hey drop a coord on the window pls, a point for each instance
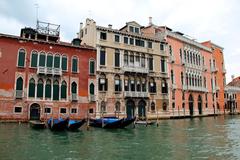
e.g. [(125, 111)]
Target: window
[(103, 35), (163, 65), (56, 90), (19, 84), (131, 28), (150, 63), (92, 67), (170, 49), (152, 86), (149, 44), (42, 59), (132, 84), (182, 78), (118, 86), (102, 57), (64, 90), (31, 88), (47, 110), (74, 65), (173, 94), (126, 84), (153, 107), (117, 107), (161, 47), (73, 110), (102, 83), (131, 41), (21, 58), (64, 63), (103, 106), (57, 61), (34, 59), (91, 89), (74, 88), (138, 87), (136, 30), (40, 88), (139, 42), (183, 95), (91, 110), (125, 40), (117, 58), (49, 61), (144, 88), (117, 38), (48, 89), (131, 59), (143, 61), (63, 110), (137, 57), (173, 105), (172, 77), (164, 86), (125, 58), (18, 109)]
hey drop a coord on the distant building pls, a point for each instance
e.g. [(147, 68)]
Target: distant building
[(232, 96), (42, 77)]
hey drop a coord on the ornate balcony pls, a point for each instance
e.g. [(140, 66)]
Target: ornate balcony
[(204, 68), (74, 97), (18, 94), (49, 71), (214, 69), (92, 98), (195, 88), (172, 58), (136, 94), (135, 69)]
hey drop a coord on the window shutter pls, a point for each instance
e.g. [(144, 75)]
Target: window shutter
[(34, 60), (21, 58), (99, 85), (64, 63), (120, 85), (106, 85), (49, 61)]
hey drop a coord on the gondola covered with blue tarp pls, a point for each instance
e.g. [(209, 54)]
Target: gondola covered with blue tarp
[(75, 124), (58, 124)]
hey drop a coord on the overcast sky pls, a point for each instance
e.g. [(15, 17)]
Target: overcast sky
[(215, 20)]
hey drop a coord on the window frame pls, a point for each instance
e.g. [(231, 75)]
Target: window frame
[(14, 110), (24, 60)]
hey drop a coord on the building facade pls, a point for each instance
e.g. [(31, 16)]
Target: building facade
[(194, 77), (42, 77), (132, 71)]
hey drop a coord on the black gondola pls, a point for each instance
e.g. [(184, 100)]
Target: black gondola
[(58, 124), (37, 124), (106, 122), (127, 121), (75, 124)]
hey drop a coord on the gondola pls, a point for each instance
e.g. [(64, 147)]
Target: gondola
[(57, 124), (75, 124), (37, 124), (106, 122), (127, 121)]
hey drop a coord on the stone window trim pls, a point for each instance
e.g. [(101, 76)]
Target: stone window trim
[(25, 56), (60, 110), (19, 107), (71, 110), (47, 107)]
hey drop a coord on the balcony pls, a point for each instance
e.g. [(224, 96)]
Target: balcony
[(214, 69), (74, 97), (135, 69), (204, 68), (183, 61), (49, 71), (92, 98), (195, 88), (172, 58), (18, 94), (216, 88), (136, 94)]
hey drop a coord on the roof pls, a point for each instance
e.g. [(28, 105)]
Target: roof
[(60, 43), (235, 82)]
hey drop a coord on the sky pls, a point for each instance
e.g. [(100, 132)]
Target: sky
[(215, 20)]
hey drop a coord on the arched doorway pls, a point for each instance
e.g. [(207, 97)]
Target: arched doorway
[(35, 111), (191, 104), (142, 109), (199, 104), (130, 108)]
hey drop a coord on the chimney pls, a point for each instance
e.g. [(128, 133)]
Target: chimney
[(79, 34), (150, 21), (110, 26)]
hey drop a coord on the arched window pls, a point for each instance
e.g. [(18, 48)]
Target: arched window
[(143, 60), (191, 58), (153, 107), (21, 58), (74, 65), (102, 57), (103, 107), (64, 90), (144, 87), (34, 59), (19, 88), (117, 107), (164, 86), (55, 90), (74, 88), (126, 58), (92, 89), (57, 61), (40, 88), (164, 106), (48, 89), (132, 83), (137, 57), (172, 77), (126, 83), (182, 77), (152, 86), (91, 66), (31, 88), (138, 84), (117, 58), (131, 59), (102, 83), (194, 58), (64, 63), (118, 83), (42, 59), (49, 60)]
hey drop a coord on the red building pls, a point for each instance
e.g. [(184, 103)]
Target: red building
[(42, 77)]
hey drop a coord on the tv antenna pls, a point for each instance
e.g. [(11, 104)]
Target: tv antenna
[(37, 6)]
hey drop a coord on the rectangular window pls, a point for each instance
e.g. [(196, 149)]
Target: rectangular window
[(125, 40), (47, 110), (92, 67), (57, 62), (21, 58), (64, 63), (131, 28), (149, 44), (34, 60), (117, 38), (131, 41), (18, 109), (49, 61), (42, 60), (170, 50), (163, 68), (102, 57), (151, 63), (117, 59), (161, 47), (103, 35), (91, 110), (136, 30), (74, 65), (73, 110), (63, 110), (139, 42)]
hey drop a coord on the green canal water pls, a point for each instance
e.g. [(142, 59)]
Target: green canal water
[(206, 138)]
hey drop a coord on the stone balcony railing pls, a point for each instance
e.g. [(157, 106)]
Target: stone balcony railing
[(18, 94), (172, 58), (136, 69), (136, 94), (214, 69), (49, 71), (74, 97), (92, 98), (195, 88)]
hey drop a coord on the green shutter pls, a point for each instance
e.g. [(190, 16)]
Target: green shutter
[(48, 90), (74, 65), (42, 58), (74, 87), (49, 61), (19, 84), (92, 69), (55, 92), (64, 63), (34, 60), (31, 89), (21, 58), (40, 90), (63, 91), (91, 89), (56, 62)]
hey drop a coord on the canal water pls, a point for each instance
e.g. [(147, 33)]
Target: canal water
[(206, 138)]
